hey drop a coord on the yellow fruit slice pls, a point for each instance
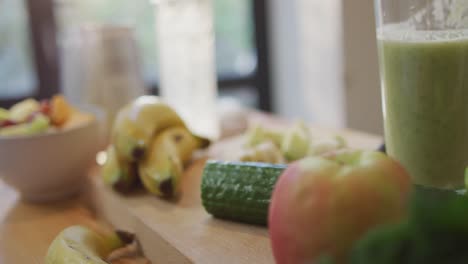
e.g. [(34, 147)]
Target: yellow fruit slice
[(79, 244), (60, 110)]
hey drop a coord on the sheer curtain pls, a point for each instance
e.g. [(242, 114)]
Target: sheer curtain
[(325, 62), (307, 58)]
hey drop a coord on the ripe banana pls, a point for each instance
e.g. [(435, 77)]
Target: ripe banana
[(185, 142), (81, 245), (152, 141), (138, 122), (120, 174), (161, 170)]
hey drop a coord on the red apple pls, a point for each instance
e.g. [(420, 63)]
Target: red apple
[(45, 107), (322, 205), (7, 123)]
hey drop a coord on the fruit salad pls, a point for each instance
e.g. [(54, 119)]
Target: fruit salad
[(30, 117)]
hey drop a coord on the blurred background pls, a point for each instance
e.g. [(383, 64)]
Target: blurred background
[(309, 59)]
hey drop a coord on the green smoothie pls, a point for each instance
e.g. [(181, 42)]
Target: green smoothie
[(425, 96)]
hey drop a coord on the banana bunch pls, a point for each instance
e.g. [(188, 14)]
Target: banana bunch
[(79, 244), (151, 144)]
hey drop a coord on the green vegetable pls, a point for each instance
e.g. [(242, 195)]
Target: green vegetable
[(466, 178), (436, 231), (239, 191), (324, 259), (387, 245), (40, 124), (4, 114)]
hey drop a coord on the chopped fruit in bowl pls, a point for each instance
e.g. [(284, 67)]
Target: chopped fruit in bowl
[(48, 147), (21, 111), (30, 117), (59, 111), (3, 115), (37, 124)]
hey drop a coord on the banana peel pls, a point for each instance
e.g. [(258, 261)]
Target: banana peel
[(81, 245), (119, 174), (138, 122)]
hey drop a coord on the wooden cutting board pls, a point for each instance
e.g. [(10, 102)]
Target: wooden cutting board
[(181, 231)]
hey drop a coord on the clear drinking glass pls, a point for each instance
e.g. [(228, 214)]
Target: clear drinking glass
[(185, 38), (423, 54)]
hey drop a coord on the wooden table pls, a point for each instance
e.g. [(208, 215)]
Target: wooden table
[(26, 230)]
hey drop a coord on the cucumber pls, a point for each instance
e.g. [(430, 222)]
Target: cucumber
[(239, 191)]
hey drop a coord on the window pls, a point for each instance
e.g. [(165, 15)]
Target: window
[(235, 51), (235, 42), (16, 68), (240, 30)]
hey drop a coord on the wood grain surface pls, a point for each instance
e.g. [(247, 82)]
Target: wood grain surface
[(181, 231), (26, 230), (169, 232)]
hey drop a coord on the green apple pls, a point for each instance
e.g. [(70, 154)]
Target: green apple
[(39, 124), (24, 109), (4, 114), (322, 205)]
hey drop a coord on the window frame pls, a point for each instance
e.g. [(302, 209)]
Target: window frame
[(43, 29), (262, 76)]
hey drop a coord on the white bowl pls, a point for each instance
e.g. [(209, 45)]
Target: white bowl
[(50, 166)]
